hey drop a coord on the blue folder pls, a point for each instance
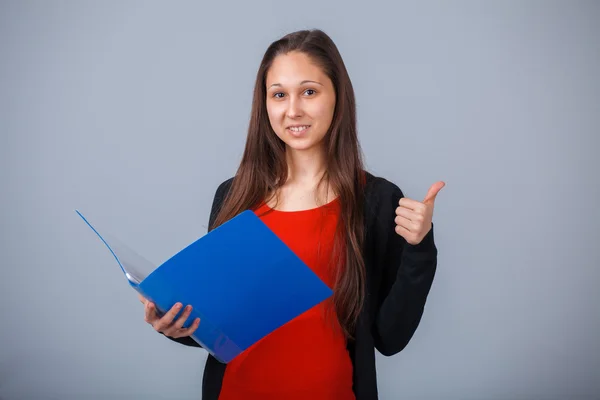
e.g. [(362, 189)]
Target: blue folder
[(241, 279)]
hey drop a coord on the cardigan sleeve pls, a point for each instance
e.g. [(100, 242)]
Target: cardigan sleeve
[(407, 275), (218, 198)]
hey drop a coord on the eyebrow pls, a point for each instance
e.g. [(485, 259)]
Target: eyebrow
[(301, 83)]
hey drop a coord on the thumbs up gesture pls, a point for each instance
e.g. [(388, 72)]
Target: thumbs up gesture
[(413, 218)]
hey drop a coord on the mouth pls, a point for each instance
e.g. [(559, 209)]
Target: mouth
[(297, 130)]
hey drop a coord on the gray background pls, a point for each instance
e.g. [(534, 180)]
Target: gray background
[(134, 112)]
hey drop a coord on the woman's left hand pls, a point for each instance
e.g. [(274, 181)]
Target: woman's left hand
[(413, 218)]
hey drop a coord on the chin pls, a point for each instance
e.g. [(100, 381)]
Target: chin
[(300, 144), (298, 147)]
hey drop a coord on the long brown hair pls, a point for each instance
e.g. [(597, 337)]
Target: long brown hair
[(263, 168)]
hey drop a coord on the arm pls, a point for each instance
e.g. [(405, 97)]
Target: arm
[(216, 205), (407, 275)]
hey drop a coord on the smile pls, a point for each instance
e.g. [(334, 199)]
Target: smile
[(298, 130)]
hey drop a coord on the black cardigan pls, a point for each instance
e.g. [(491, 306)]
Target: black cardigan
[(399, 277)]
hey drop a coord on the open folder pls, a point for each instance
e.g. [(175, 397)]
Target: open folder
[(242, 281)]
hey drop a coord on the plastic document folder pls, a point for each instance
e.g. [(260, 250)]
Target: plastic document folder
[(242, 281)]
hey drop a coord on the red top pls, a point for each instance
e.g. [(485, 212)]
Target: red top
[(307, 357)]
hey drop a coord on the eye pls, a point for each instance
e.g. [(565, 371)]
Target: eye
[(310, 90), (276, 95)]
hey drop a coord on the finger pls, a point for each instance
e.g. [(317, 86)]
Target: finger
[(149, 313), (405, 223), (184, 316), (411, 204), (189, 331), (402, 231), (433, 192), (409, 237), (166, 320), (142, 299), (409, 214)]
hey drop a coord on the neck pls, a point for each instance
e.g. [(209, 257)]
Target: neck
[(305, 166)]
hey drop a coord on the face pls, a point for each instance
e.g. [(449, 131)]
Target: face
[(300, 101)]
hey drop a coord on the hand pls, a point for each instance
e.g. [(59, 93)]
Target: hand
[(413, 218), (165, 323)]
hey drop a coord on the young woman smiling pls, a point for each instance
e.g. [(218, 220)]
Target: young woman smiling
[(302, 173)]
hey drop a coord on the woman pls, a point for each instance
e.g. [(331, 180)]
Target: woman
[(302, 173)]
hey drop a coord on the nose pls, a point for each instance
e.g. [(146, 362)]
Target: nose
[(294, 109)]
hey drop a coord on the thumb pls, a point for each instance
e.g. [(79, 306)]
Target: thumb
[(433, 192)]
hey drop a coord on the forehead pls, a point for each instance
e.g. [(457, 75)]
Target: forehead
[(293, 68)]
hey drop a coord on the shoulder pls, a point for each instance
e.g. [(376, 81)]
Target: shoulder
[(220, 194), (379, 190), (382, 197), (224, 187), (217, 203)]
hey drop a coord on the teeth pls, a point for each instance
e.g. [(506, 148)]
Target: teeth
[(298, 128)]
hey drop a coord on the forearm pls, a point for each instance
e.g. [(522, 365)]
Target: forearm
[(400, 312)]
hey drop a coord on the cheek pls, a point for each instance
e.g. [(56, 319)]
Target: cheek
[(275, 113), (323, 112)]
